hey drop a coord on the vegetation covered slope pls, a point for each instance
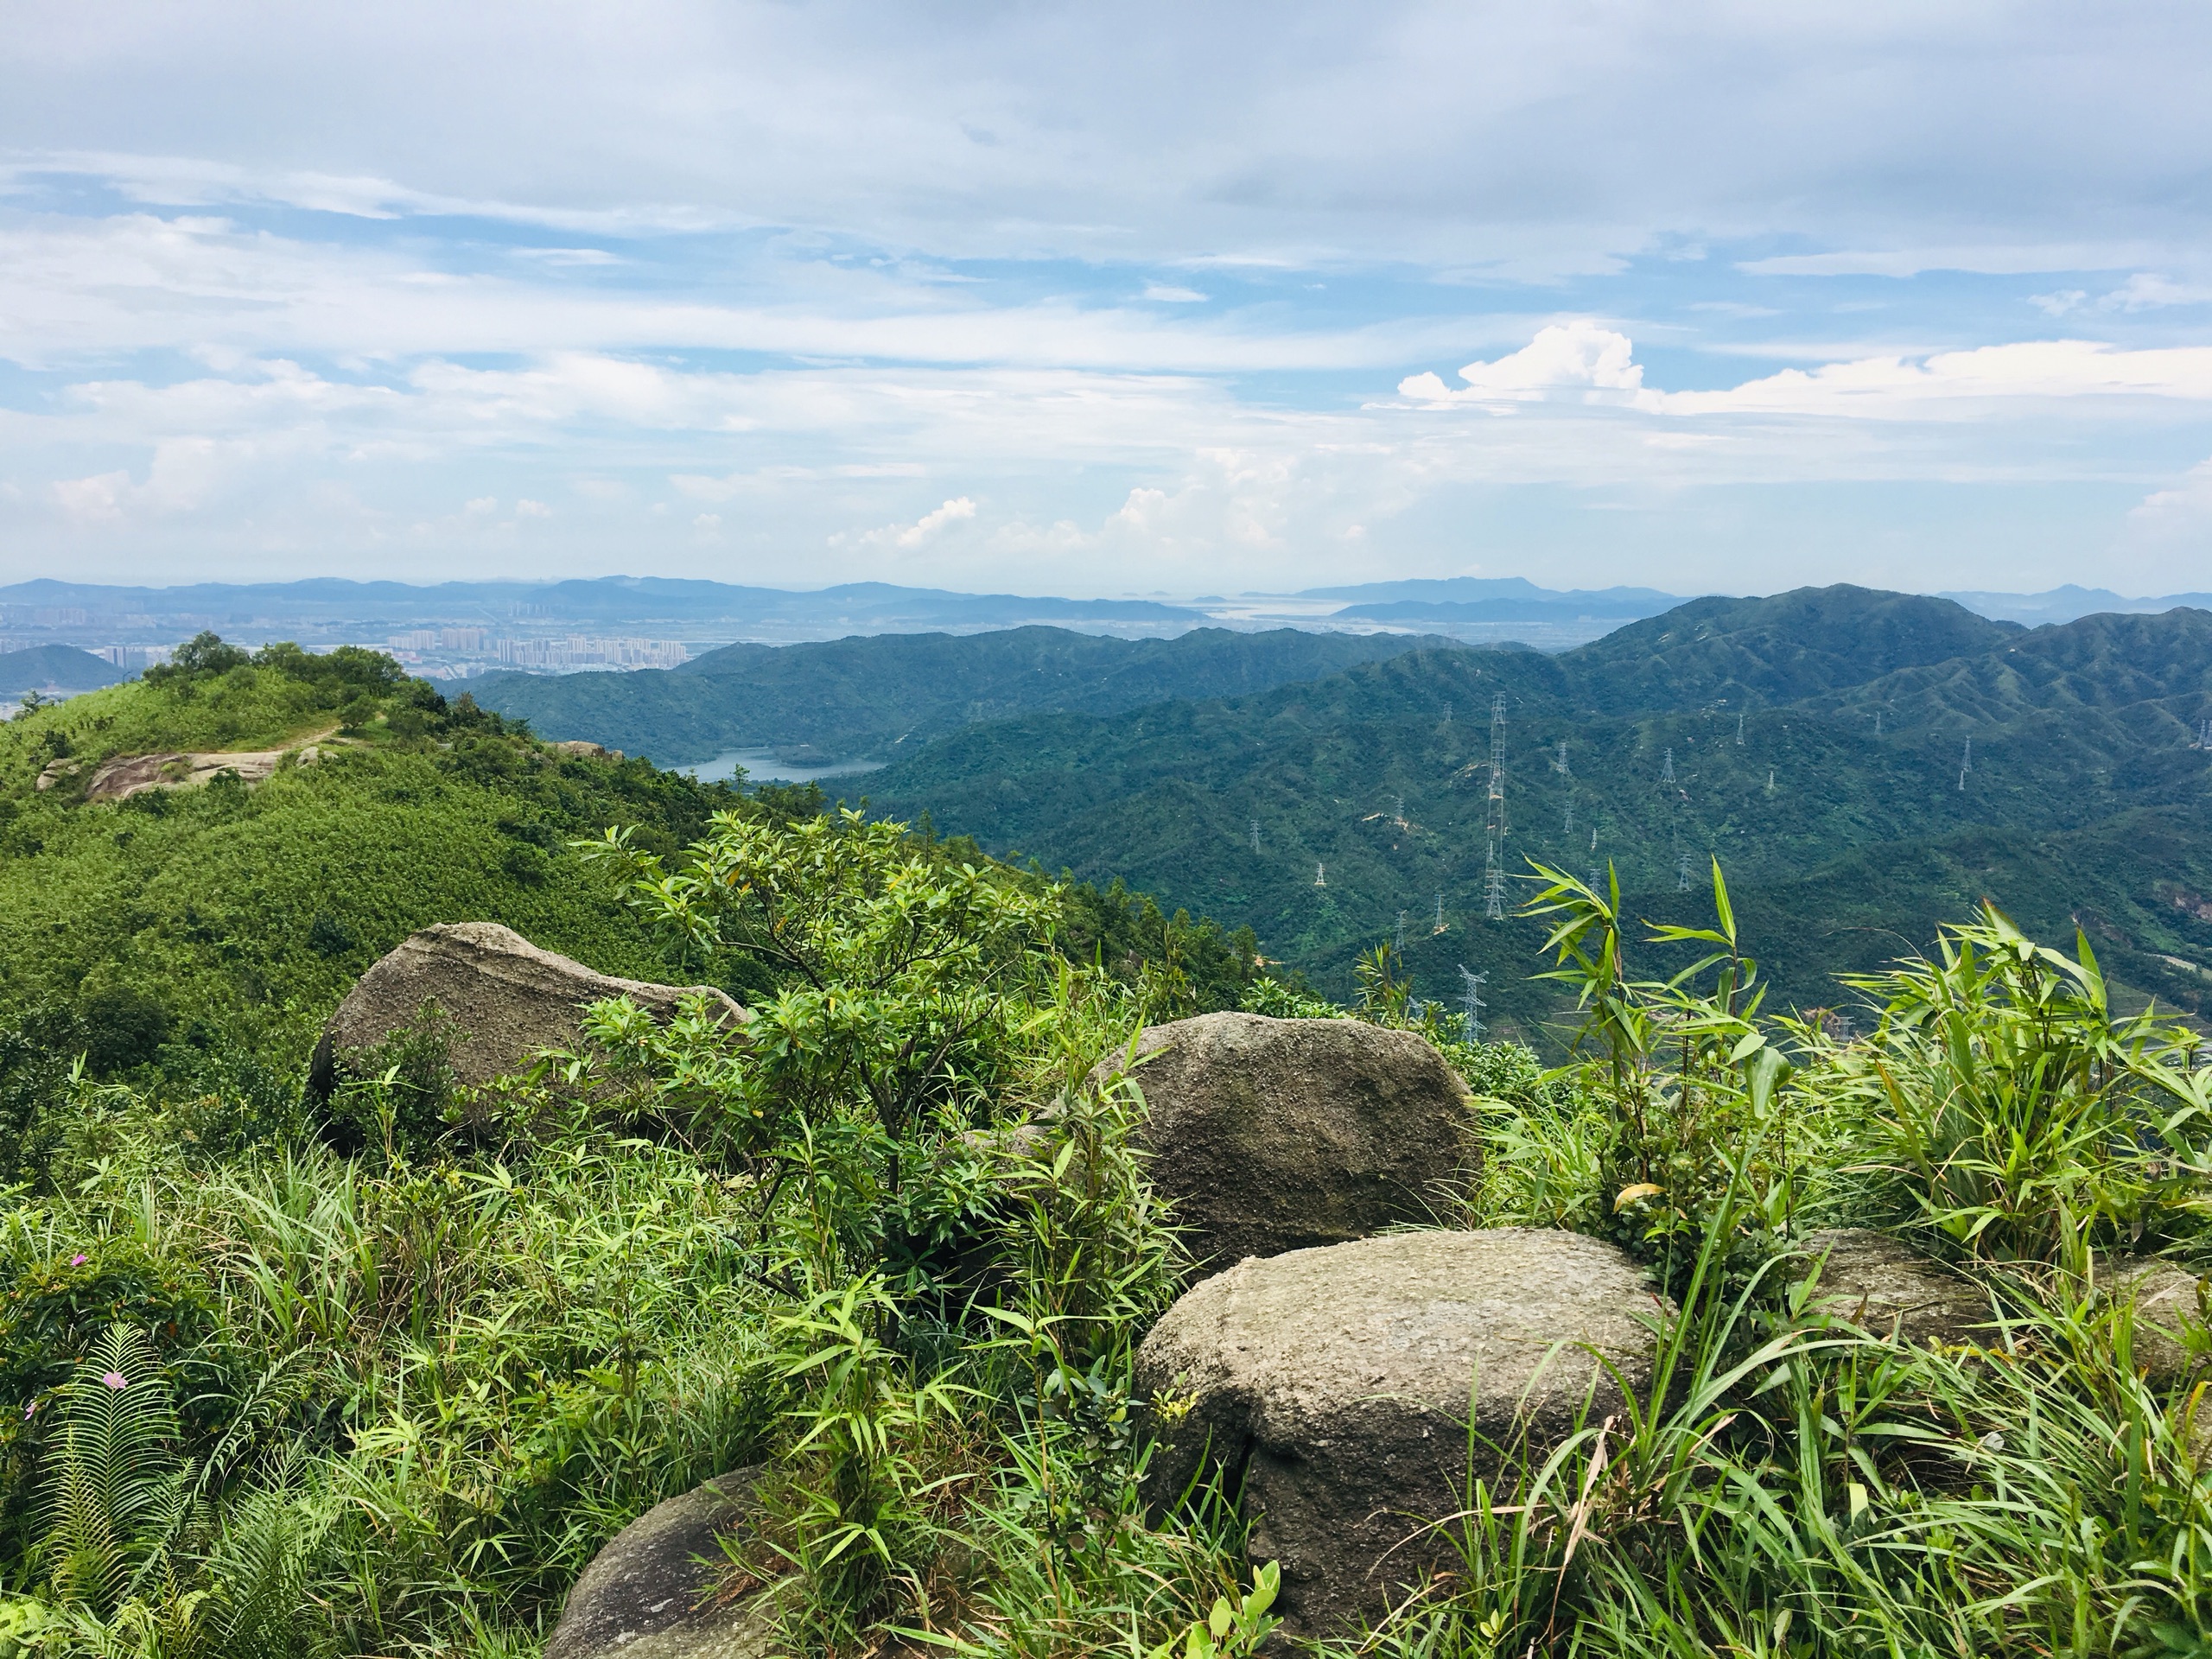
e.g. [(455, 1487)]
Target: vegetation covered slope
[(883, 696), (2083, 798), (55, 668), (276, 1399), (197, 938)]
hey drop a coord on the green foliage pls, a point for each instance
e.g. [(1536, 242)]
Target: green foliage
[(399, 1095), (2016, 1109)]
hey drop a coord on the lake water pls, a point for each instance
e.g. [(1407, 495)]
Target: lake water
[(761, 766)]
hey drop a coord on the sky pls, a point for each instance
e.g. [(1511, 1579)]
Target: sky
[(1109, 300)]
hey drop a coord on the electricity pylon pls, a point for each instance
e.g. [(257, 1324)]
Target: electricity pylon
[(1666, 771), (1471, 989)]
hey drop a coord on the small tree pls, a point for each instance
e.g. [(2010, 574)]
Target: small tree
[(888, 1025)]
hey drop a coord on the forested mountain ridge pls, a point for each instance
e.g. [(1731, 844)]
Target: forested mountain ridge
[(2080, 797), (876, 697)]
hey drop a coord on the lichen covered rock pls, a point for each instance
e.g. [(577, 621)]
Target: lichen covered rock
[(1279, 1134), (1338, 1381)]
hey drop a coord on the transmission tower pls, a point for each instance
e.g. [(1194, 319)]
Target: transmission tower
[(1320, 874), (1401, 942), (1256, 835), (1740, 729), (1770, 780), (1472, 991), (1439, 928), (1666, 771), (1400, 801), (1682, 874), (1570, 816), (1593, 837), (1966, 764), (1558, 760), (1878, 723), (1494, 869)]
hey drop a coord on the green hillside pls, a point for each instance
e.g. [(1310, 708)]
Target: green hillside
[(2083, 796), (197, 937), (882, 696), (55, 668)]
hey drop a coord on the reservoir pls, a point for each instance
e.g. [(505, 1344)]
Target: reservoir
[(761, 766)]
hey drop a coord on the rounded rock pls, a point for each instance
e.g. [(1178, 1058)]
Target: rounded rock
[(1332, 1388), (1270, 1134)]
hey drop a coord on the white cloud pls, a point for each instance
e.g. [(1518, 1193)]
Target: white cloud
[(1168, 294), (1597, 365), (910, 536), (525, 508), (1573, 356)]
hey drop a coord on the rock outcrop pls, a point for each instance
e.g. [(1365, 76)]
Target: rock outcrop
[(1877, 1282), (584, 750), (2167, 1311), (1281, 1134), (646, 1594), (1338, 1381), (126, 775), (507, 999)]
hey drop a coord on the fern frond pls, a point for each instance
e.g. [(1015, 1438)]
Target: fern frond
[(117, 1495)]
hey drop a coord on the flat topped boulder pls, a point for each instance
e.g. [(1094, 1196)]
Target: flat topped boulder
[(1879, 1283), (508, 999), (1339, 1382), (648, 1593), (1281, 1134)]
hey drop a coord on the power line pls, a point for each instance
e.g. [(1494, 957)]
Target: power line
[(1494, 867)]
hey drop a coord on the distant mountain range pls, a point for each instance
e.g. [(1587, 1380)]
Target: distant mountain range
[(1865, 764), (2070, 603), (879, 696), (471, 618)]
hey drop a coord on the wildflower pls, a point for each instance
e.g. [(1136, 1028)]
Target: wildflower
[(115, 1380), (28, 1409), (79, 1260)]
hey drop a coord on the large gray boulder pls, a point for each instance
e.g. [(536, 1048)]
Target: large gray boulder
[(507, 1000), (1338, 1381), (1877, 1282), (647, 1594), (1280, 1135)]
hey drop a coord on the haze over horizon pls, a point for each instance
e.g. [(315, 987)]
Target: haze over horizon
[(1059, 301)]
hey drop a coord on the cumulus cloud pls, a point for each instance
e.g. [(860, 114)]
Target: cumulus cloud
[(1597, 365), (1577, 356), (1169, 294), (925, 529)]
